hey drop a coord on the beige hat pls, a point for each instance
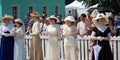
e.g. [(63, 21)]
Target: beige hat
[(99, 16), (69, 18), (6, 16), (34, 13), (53, 17), (19, 21)]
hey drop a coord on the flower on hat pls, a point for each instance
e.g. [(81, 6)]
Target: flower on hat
[(34, 13), (94, 13), (69, 18)]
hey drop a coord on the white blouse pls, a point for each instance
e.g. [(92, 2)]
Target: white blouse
[(36, 28), (53, 30), (4, 28), (69, 31)]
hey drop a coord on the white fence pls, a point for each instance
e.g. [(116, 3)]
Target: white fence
[(83, 43)]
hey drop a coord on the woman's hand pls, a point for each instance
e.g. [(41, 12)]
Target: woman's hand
[(94, 38), (106, 38), (21, 36)]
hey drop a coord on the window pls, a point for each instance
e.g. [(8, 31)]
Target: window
[(15, 11), (45, 10), (30, 9), (57, 10)]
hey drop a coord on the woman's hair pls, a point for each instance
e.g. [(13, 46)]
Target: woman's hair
[(53, 19), (112, 20), (19, 23)]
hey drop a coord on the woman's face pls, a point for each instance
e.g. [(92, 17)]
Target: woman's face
[(82, 18), (69, 23), (101, 21), (6, 20), (110, 22), (46, 21), (52, 21), (35, 17)]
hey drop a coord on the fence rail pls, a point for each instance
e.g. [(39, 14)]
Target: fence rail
[(83, 44)]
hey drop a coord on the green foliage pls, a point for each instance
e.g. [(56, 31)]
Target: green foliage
[(114, 5)]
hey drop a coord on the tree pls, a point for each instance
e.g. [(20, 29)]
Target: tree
[(114, 5)]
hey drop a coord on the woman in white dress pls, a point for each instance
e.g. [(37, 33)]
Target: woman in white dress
[(19, 49), (70, 42), (53, 50)]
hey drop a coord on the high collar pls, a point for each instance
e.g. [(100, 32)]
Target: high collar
[(102, 28)]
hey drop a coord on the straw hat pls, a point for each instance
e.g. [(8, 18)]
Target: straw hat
[(34, 13), (6, 17), (18, 21), (99, 16), (69, 18), (53, 17)]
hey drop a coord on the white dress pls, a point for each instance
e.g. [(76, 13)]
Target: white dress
[(19, 49), (70, 43), (53, 50)]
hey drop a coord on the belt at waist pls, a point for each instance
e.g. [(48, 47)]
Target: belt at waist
[(7, 32)]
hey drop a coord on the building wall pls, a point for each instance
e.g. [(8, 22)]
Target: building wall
[(38, 4), (0, 9)]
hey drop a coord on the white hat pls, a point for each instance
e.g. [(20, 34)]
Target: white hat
[(69, 18), (47, 18), (53, 17), (6, 16), (99, 16), (19, 21)]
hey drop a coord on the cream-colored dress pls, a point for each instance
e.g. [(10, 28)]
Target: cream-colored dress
[(36, 43), (52, 50), (70, 43)]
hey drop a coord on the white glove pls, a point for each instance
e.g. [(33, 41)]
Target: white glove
[(100, 38)]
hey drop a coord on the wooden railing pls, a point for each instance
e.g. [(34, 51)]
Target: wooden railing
[(83, 44)]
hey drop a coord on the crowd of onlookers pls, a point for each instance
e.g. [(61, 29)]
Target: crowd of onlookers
[(114, 23)]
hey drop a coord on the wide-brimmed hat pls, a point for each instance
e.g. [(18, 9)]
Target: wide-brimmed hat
[(34, 13), (18, 21), (6, 16), (99, 16), (53, 17), (69, 18)]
